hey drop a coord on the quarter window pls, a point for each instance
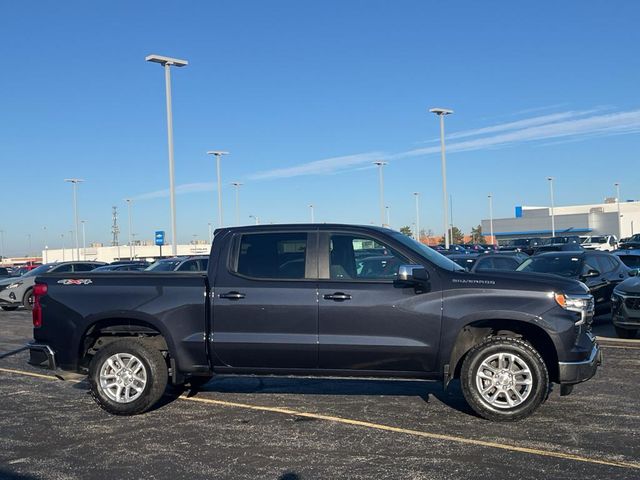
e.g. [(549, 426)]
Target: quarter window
[(273, 255)]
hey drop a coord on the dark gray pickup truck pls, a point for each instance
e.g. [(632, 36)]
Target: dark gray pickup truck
[(316, 299)]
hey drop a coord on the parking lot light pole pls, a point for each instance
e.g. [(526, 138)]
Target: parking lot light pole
[(75, 182), (257, 220), (380, 165), (442, 112), (62, 240), (45, 259), (617, 185), (84, 241), (491, 217), (388, 209), (1, 244), (167, 63), (72, 257), (237, 186), (553, 218), (313, 219), (128, 200), (417, 196), (210, 233), (218, 154)]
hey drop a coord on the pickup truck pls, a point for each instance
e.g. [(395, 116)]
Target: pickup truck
[(302, 300)]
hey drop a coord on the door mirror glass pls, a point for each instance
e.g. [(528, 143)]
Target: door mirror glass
[(634, 272)]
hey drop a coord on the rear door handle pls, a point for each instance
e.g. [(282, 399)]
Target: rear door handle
[(232, 295), (337, 297)]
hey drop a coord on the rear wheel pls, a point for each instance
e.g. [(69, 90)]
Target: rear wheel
[(504, 379), (626, 332), (9, 308), (27, 300), (127, 377)]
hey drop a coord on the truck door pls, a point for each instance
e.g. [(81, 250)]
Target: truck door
[(265, 307), (366, 322)]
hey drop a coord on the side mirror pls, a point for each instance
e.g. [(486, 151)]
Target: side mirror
[(634, 272), (412, 274), (591, 273)]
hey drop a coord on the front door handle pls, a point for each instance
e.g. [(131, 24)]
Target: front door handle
[(232, 295), (337, 297)]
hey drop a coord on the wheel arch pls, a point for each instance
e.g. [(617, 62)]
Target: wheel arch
[(475, 332)]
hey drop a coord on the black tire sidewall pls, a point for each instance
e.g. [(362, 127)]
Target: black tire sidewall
[(157, 377), (520, 348), (25, 299), (626, 333), (9, 308)]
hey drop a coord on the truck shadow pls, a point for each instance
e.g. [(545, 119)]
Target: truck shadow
[(425, 390)]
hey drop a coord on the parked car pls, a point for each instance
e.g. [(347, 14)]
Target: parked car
[(604, 243), (599, 271), (625, 308), (123, 267), (431, 320), (4, 273), (559, 247), (631, 257), (180, 264), (562, 240), (499, 261), (524, 245), (18, 291), (631, 243), (465, 260)]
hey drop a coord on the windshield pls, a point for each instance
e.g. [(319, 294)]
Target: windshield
[(563, 265), (39, 270), (163, 266), (428, 252)]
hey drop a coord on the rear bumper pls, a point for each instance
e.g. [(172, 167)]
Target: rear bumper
[(41, 355), (571, 373)]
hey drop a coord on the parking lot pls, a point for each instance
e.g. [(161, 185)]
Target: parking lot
[(289, 428)]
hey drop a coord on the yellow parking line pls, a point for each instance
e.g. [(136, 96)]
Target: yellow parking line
[(378, 426)]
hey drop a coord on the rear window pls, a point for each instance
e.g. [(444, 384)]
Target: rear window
[(272, 255)]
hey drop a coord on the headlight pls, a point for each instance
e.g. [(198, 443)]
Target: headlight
[(582, 304), (15, 285)]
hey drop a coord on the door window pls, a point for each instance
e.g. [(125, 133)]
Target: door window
[(62, 268), (272, 255), (361, 258), (189, 266), (83, 267)]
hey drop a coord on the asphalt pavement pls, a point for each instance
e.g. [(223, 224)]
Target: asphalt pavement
[(293, 429)]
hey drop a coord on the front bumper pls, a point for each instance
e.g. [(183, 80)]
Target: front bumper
[(571, 373), (41, 355)]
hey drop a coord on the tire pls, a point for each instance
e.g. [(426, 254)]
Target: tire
[(27, 300), (626, 332), (146, 363), (9, 308), (499, 401)]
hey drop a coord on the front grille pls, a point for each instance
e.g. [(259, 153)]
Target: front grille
[(632, 303)]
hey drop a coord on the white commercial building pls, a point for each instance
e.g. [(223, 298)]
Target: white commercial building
[(122, 252), (619, 219)]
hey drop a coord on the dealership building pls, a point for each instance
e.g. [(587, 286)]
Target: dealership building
[(620, 219)]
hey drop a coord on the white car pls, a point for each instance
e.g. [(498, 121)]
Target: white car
[(604, 243)]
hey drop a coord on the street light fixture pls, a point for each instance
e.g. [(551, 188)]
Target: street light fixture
[(129, 201), (617, 185), (167, 63), (75, 182), (218, 154), (380, 165), (442, 112), (237, 185), (257, 219), (553, 217), (490, 197)]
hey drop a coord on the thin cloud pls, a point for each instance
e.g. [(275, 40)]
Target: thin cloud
[(180, 189)]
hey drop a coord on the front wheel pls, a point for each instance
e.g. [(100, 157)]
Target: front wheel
[(127, 377), (504, 379), (629, 333), (27, 300)]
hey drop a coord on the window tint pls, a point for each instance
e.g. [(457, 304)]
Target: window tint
[(601, 263), (189, 266), (83, 267), (505, 263), (62, 268), (273, 255), (632, 261), (361, 258)]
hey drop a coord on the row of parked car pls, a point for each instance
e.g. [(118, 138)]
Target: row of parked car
[(17, 290)]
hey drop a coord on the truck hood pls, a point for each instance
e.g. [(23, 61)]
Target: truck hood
[(630, 285), (539, 282)]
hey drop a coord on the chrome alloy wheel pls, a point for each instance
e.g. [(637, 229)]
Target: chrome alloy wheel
[(123, 377), (504, 380)]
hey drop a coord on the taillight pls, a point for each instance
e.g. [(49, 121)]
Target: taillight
[(39, 290)]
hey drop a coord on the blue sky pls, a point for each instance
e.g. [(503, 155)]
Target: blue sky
[(305, 95)]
